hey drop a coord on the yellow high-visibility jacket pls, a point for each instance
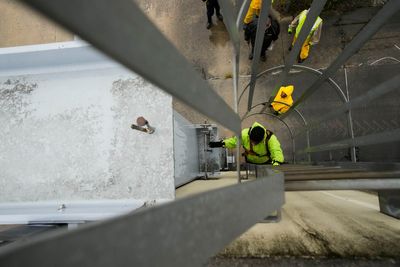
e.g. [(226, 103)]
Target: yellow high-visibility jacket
[(282, 104), (267, 151), (254, 10), (315, 34)]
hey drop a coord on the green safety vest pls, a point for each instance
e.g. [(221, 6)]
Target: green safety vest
[(268, 149), (302, 19)]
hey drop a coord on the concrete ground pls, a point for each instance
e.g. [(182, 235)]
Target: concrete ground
[(19, 25), (329, 227), (317, 228)]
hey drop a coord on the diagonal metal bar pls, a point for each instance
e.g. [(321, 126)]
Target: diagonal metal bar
[(185, 232), (344, 175), (380, 90), (121, 30), (335, 86), (388, 10), (227, 10), (233, 30), (350, 184), (242, 13), (372, 139), (265, 6), (350, 127), (312, 15)]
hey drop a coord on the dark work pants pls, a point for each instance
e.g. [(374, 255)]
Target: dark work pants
[(266, 43), (211, 5)]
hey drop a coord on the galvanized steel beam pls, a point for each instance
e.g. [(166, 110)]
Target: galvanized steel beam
[(380, 90), (185, 232), (227, 10), (388, 10), (372, 139), (362, 184), (121, 30), (265, 6), (337, 88), (355, 174), (242, 13)]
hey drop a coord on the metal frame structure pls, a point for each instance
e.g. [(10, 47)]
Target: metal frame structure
[(134, 239), (185, 232)]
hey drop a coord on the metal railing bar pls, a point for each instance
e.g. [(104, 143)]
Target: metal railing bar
[(122, 31), (184, 232), (361, 184), (353, 154), (388, 10), (313, 13), (227, 10), (265, 6), (372, 139), (338, 89), (236, 59), (242, 13), (321, 171), (351, 174), (308, 142), (370, 166), (304, 167), (378, 91)]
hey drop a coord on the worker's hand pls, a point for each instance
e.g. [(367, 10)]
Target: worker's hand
[(216, 144), (274, 163), (245, 26), (289, 31)]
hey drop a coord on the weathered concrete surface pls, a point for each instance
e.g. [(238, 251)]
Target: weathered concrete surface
[(66, 133), (19, 25), (300, 262), (183, 22), (330, 224)]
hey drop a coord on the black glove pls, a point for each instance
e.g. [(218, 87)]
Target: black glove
[(216, 144)]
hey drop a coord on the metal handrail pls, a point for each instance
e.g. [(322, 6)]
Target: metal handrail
[(372, 139), (121, 23), (181, 233), (388, 10)]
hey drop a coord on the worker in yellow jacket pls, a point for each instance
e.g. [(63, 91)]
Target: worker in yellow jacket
[(261, 146), (313, 37), (254, 11), (283, 99)]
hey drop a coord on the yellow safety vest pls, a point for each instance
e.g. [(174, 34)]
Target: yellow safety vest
[(302, 19), (268, 149), (254, 10)]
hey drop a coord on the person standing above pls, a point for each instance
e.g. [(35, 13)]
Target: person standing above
[(211, 5), (312, 38), (272, 30), (261, 145), (254, 12)]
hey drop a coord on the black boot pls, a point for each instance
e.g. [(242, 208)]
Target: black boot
[(263, 58), (219, 16), (209, 25)]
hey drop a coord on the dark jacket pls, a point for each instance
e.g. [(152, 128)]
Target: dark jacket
[(271, 33)]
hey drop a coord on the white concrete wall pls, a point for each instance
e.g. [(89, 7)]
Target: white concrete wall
[(65, 129)]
